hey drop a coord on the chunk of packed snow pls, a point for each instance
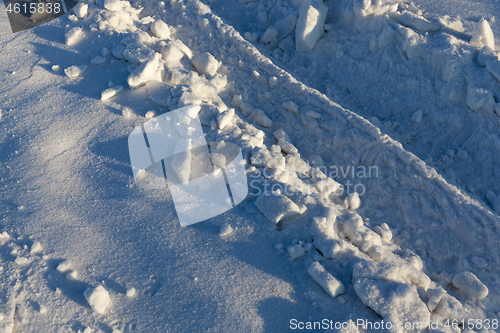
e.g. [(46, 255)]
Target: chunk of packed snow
[(483, 36), (276, 207), (410, 19), (36, 247), (225, 230), (313, 115), (376, 271), (21, 260), (291, 106), (75, 71), (434, 297), (160, 29), (73, 36), (261, 118), (205, 63), (144, 72), (225, 118), (56, 68), (81, 10), (417, 116), (494, 68), (330, 284), (296, 251), (131, 292), (480, 100), (110, 92), (393, 301), (137, 53), (263, 158), (64, 266), (270, 36), (309, 26), (181, 162), (171, 54), (98, 299), (486, 53), (353, 202), (470, 285), (128, 113), (98, 60), (71, 276)]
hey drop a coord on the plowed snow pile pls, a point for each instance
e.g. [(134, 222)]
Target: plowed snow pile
[(369, 137)]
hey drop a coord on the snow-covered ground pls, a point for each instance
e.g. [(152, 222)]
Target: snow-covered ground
[(370, 138)]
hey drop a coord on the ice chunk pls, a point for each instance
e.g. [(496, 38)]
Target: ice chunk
[(480, 100), (98, 298), (331, 285), (225, 230), (470, 285), (98, 60), (261, 118), (276, 207), (160, 29), (296, 251), (73, 36), (75, 71), (309, 27), (81, 10), (64, 266), (483, 36), (393, 301), (110, 92), (205, 63), (144, 72)]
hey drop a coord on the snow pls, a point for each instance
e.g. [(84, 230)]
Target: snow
[(64, 266), (98, 299)]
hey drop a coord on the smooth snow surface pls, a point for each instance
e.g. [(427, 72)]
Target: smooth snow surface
[(357, 139)]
